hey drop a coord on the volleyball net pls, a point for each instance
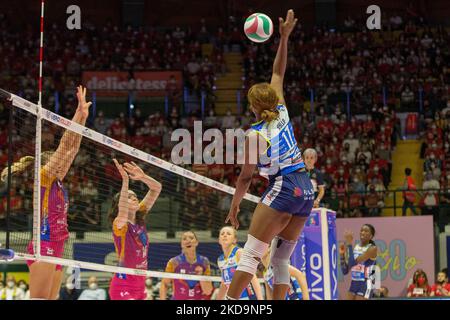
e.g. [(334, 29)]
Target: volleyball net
[(188, 201)]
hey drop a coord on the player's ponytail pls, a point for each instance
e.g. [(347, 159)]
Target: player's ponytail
[(114, 210), (269, 115), (18, 167), (264, 100), (23, 164)]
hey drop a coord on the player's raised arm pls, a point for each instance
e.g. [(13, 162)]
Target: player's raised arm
[(60, 162), (279, 65), (122, 217), (154, 186)]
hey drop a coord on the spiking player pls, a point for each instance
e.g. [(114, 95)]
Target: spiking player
[(286, 204)]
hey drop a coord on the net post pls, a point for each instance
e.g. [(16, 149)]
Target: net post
[(37, 185), (8, 195), (37, 157)]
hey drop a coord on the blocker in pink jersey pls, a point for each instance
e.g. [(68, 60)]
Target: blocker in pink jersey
[(129, 232), (45, 278)]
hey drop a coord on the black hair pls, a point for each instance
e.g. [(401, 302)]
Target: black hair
[(114, 211), (372, 231), (408, 171)]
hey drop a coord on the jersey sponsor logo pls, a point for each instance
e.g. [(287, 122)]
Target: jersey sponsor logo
[(298, 192), (123, 294), (50, 251)]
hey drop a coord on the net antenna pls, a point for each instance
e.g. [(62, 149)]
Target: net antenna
[(37, 157)]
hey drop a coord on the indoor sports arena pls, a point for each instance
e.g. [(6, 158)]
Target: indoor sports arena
[(224, 150)]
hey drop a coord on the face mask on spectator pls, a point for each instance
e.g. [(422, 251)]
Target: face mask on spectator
[(432, 166), (421, 281), (23, 286), (70, 285), (434, 146), (148, 282), (10, 284), (93, 286)]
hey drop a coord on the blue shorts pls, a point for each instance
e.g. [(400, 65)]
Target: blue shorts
[(292, 193), (359, 288)]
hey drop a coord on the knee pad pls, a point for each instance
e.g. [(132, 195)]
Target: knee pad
[(251, 255), (279, 258)]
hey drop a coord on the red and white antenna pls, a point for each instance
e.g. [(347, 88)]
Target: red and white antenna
[(41, 53)]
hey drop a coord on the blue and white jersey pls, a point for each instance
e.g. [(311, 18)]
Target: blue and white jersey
[(294, 291), (283, 154), (228, 266), (361, 271)]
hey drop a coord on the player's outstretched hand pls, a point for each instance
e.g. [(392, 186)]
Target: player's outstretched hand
[(286, 26), (83, 106), (122, 171), (134, 171), (232, 216)]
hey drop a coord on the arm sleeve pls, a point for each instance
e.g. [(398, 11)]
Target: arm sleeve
[(344, 265), (120, 232), (170, 266), (351, 259)]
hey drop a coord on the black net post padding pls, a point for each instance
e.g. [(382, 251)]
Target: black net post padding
[(10, 158), (5, 94)]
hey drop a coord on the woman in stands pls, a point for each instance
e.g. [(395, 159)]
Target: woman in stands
[(45, 278), (360, 261), (287, 202), (129, 232), (419, 287), (188, 262), (228, 262), (298, 287)]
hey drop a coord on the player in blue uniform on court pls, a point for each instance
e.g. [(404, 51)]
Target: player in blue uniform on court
[(360, 261), (228, 262), (287, 202)]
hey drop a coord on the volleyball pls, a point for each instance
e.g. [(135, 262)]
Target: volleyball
[(258, 27)]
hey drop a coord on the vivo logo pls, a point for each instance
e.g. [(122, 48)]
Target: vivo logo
[(316, 269)]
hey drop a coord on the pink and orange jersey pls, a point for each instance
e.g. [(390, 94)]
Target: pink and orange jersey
[(54, 206), (131, 243), (188, 289)]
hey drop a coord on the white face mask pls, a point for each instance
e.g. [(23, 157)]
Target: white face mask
[(148, 282), (10, 284), (93, 286), (23, 287), (70, 286)]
